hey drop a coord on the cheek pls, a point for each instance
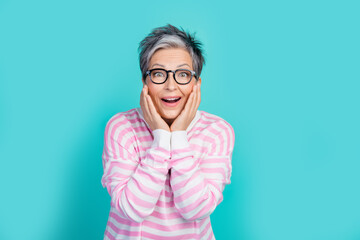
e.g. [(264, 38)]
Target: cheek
[(186, 91), (153, 93)]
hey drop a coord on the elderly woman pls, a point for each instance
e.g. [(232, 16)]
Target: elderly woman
[(166, 164)]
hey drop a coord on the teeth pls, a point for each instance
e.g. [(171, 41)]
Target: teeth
[(171, 99)]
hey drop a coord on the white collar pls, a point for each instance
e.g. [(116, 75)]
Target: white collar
[(191, 125)]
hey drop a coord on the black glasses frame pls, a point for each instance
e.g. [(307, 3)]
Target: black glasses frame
[(193, 74)]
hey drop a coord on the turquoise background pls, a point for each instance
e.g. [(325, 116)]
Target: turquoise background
[(285, 74)]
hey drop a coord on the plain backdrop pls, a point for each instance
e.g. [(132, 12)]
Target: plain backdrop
[(284, 74)]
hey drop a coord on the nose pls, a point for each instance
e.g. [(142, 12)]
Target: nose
[(170, 84)]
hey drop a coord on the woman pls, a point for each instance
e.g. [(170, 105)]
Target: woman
[(166, 163)]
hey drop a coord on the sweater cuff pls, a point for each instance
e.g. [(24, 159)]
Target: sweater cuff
[(161, 139), (179, 140)]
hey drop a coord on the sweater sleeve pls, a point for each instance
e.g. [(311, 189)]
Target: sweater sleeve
[(134, 184), (198, 183)]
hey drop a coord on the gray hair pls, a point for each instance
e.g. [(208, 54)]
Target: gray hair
[(170, 37)]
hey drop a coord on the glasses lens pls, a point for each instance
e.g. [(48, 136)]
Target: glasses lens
[(158, 76), (183, 76)]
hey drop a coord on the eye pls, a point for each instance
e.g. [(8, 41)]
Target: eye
[(183, 74), (158, 74)]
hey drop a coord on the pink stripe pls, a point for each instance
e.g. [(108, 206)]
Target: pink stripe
[(169, 228), (214, 170), (107, 128), (178, 164), (198, 130), (113, 138), (123, 165), (130, 141), (205, 122), (124, 221), (108, 234), (219, 159), (118, 207), (157, 237), (157, 158), (145, 189), (228, 134), (122, 231), (221, 140), (164, 216), (163, 150), (117, 176), (150, 177), (196, 189), (209, 202), (206, 229), (136, 120), (186, 181), (138, 201), (211, 117), (163, 204), (208, 139), (180, 151), (168, 194), (146, 138), (198, 148), (141, 129), (131, 113)]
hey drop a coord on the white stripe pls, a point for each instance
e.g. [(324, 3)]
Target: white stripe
[(141, 195), (168, 234), (120, 236), (125, 207), (166, 222), (180, 178), (166, 210), (209, 231), (144, 181), (223, 134)]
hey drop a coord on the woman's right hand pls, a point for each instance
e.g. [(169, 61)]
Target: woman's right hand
[(152, 117)]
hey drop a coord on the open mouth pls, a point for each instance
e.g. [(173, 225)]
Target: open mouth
[(171, 100)]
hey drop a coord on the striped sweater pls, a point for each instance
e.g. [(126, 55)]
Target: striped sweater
[(165, 185)]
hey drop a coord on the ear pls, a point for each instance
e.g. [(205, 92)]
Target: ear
[(199, 80)]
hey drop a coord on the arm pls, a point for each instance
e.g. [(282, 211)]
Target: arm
[(198, 183), (133, 184)]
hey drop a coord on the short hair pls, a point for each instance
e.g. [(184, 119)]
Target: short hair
[(170, 37)]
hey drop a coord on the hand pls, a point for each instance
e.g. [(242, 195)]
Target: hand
[(152, 117), (188, 113)]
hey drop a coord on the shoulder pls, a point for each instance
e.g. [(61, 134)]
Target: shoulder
[(122, 122), (217, 131), (210, 120)]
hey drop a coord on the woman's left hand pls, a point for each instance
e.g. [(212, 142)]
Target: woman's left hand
[(188, 113)]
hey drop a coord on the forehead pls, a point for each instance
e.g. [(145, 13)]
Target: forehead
[(171, 57)]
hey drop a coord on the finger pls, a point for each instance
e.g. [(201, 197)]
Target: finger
[(152, 108), (146, 110), (195, 104), (142, 93), (146, 90), (142, 98), (189, 102), (194, 101), (198, 97)]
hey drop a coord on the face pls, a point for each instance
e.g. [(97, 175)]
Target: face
[(170, 59)]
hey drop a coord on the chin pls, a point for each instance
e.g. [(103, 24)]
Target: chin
[(170, 115)]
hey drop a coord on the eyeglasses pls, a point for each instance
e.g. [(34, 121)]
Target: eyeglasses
[(181, 76)]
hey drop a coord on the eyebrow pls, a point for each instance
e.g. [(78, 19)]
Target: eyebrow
[(184, 64)]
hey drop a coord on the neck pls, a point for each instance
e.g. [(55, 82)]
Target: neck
[(169, 121)]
